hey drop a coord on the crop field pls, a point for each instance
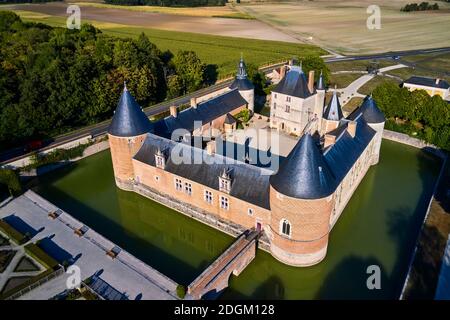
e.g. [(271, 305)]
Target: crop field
[(221, 51), (341, 25), (223, 12)]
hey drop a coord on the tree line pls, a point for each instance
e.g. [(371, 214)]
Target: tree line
[(169, 3), (53, 80), (423, 6), (415, 113)]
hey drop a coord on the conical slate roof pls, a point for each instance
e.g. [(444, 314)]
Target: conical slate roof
[(229, 119), (370, 111), (321, 82), (241, 82), (129, 120), (333, 111), (304, 174)]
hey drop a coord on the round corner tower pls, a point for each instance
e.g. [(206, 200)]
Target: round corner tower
[(375, 119), (244, 85), (301, 202), (127, 132)]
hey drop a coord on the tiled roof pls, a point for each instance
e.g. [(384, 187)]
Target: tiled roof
[(205, 112), (129, 120), (428, 82), (333, 111), (304, 174), (294, 84), (249, 183)]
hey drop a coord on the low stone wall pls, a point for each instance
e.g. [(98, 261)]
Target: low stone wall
[(413, 142), (207, 218)]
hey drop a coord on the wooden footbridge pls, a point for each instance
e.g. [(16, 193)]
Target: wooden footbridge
[(214, 279)]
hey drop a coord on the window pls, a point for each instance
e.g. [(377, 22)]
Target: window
[(288, 99), (178, 184), (275, 95), (188, 188), (288, 108), (250, 211), (208, 196), (285, 227), (157, 178), (160, 161), (224, 203), (274, 105)]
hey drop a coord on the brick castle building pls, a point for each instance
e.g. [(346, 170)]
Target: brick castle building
[(295, 206)]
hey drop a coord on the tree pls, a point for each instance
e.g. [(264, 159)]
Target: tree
[(190, 70), (317, 64)]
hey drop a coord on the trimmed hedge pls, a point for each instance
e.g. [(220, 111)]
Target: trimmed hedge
[(181, 291), (41, 256), (11, 180), (12, 233), (27, 283)]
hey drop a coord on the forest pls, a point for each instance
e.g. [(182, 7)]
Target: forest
[(53, 80), (415, 113)]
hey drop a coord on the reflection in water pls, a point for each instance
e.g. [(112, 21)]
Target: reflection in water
[(378, 226)]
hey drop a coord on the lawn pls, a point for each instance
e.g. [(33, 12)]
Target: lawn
[(5, 258), (372, 84), (352, 104), (342, 80), (221, 51), (431, 65), (358, 65), (342, 25)]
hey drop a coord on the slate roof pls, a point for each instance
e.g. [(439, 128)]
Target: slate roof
[(304, 174), (294, 84), (249, 182), (369, 111), (346, 150), (229, 119), (428, 82), (129, 120), (333, 111), (321, 82), (242, 82), (205, 112)]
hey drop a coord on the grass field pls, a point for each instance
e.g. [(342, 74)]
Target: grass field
[(222, 12), (342, 80), (375, 82), (221, 51), (341, 25)]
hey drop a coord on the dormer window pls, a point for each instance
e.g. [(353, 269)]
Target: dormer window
[(225, 181), (160, 160)]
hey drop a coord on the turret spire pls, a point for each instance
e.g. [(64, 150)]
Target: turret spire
[(241, 72), (333, 111), (321, 84)]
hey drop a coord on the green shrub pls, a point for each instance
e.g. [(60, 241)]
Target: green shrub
[(181, 291), (12, 233), (11, 180), (41, 256)]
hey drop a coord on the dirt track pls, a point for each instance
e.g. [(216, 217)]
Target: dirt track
[(252, 29)]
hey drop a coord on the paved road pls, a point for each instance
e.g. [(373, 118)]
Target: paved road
[(389, 54), (352, 89), (100, 128)]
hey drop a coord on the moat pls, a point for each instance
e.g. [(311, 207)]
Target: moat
[(379, 226)]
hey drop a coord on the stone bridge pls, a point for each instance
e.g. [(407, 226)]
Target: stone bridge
[(234, 260)]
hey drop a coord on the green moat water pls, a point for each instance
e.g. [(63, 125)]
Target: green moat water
[(379, 226)]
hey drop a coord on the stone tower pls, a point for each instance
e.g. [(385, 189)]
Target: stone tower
[(375, 119), (126, 134), (301, 201), (244, 85), (332, 114)]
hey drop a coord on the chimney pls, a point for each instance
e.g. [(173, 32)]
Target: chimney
[(351, 128), (283, 71), (173, 111), (329, 140), (437, 81), (311, 81), (211, 147), (194, 102)]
